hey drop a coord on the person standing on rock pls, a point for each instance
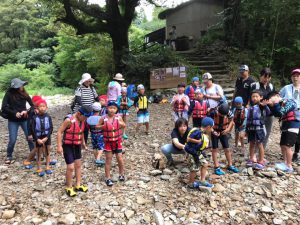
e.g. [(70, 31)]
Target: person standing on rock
[(212, 92), (265, 87), (191, 89), (179, 138), (85, 95), (114, 88), (292, 91), (243, 85), (14, 109)]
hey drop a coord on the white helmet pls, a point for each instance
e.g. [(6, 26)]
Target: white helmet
[(96, 107), (140, 87)]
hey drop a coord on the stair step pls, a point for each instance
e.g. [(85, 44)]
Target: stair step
[(212, 67), (197, 62)]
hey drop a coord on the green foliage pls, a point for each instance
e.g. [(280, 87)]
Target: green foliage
[(33, 58)]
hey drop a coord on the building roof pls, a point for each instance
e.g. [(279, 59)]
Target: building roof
[(167, 12)]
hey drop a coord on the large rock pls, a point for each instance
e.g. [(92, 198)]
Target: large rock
[(218, 188), (129, 214), (159, 161), (167, 171), (155, 172), (269, 174), (142, 200), (8, 214), (159, 220)]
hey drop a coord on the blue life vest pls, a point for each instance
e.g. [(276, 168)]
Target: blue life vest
[(131, 91), (42, 125), (256, 116)]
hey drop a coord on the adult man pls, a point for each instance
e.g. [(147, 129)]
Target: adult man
[(243, 84), (212, 92)]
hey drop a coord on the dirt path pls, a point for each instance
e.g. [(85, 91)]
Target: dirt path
[(238, 199)]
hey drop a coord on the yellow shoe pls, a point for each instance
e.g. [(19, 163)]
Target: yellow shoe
[(81, 188), (71, 192)]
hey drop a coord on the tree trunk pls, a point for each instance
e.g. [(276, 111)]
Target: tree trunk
[(120, 47)]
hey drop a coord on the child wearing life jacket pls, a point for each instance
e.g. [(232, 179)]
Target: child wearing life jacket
[(141, 105), (112, 125), (198, 108), (180, 103), (191, 89), (96, 134), (256, 130), (124, 104), (70, 140), (223, 124), (41, 128), (288, 114), (103, 102), (240, 121), (197, 142)]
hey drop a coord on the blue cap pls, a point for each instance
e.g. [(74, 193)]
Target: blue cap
[(207, 121), (238, 100), (195, 79), (112, 103), (87, 111)]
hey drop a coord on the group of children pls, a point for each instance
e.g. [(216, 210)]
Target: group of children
[(217, 123)]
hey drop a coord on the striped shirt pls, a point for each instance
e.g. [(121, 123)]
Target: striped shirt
[(87, 96)]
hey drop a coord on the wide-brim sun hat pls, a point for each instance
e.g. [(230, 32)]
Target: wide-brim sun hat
[(295, 71), (86, 77), (17, 83), (96, 107), (119, 77)]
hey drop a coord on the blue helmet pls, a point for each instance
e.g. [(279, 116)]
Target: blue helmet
[(207, 121)]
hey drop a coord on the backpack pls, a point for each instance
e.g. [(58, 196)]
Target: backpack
[(73, 102), (131, 91)]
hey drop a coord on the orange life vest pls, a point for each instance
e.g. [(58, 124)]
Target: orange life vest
[(200, 110), (191, 93), (73, 135), (239, 117), (124, 106), (111, 130), (179, 105), (221, 122)]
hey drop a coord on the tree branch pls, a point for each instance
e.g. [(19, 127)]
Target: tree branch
[(92, 10)]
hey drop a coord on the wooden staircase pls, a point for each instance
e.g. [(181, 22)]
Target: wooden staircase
[(214, 65)]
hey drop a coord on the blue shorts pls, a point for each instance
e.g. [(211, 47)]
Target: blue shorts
[(97, 141), (143, 117), (257, 136)]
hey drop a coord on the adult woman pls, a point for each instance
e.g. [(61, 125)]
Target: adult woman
[(114, 88), (179, 137), (14, 107), (85, 95)]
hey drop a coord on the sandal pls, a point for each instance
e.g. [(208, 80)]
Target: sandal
[(48, 171), (81, 188), (29, 167), (194, 185), (53, 162), (9, 161), (26, 163), (259, 166), (70, 192), (109, 182), (40, 173), (250, 163)]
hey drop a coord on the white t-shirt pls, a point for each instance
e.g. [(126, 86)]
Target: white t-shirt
[(215, 89)]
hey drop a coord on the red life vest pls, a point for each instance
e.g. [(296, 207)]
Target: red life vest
[(239, 117), (111, 130), (191, 93), (73, 135), (290, 116), (179, 105), (221, 122), (200, 110)]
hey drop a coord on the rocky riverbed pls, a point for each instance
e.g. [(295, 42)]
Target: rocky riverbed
[(149, 195)]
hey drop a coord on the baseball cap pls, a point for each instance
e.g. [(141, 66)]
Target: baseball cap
[(140, 87), (17, 83), (195, 79), (243, 68), (207, 121), (207, 76)]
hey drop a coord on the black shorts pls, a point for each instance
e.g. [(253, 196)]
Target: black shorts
[(223, 139), (289, 138), (197, 122), (48, 142), (257, 136), (72, 153)]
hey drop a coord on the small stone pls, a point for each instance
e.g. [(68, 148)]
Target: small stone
[(269, 174), (218, 188), (266, 209), (37, 221), (8, 214), (154, 145), (167, 172), (142, 201), (206, 190), (185, 170), (48, 222), (69, 218), (165, 177), (250, 171), (277, 221), (159, 220), (213, 204), (129, 214), (145, 179), (155, 172), (232, 213)]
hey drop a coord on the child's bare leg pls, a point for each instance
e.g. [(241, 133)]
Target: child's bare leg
[(215, 157), (137, 127), (119, 157), (108, 157), (261, 153), (237, 137), (289, 156), (147, 127), (283, 152), (97, 154), (252, 151), (69, 175), (100, 153), (242, 136), (47, 154), (192, 177), (228, 156), (125, 121), (39, 158), (203, 172), (77, 165)]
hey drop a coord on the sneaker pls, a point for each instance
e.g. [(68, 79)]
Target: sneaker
[(48, 171), (258, 166), (98, 162), (194, 185), (233, 169), (29, 167), (122, 178), (81, 188), (250, 163), (109, 182), (281, 166), (71, 192), (219, 171), (40, 173), (289, 170), (206, 184), (53, 162), (125, 137)]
